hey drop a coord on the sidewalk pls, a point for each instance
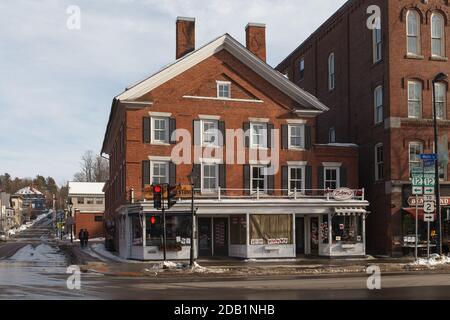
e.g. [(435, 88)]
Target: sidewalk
[(97, 260)]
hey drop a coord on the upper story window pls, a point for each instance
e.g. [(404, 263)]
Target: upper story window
[(441, 93), (258, 179), (258, 135), (413, 32), (224, 89), (99, 201), (379, 162), (414, 99), (89, 200), (159, 172), (331, 72), (210, 177), (301, 67), (377, 45), (296, 179), (415, 150), (296, 136), (378, 104), (210, 133), (80, 200), (332, 135), (437, 35), (160, 132), (331, 177)]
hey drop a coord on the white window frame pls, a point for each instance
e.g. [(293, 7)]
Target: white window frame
[(379, 174), (203, 132), (301, 68), (302, 180), (417, 84), (377, 45), (166, 164), (216, 167), (153, 129), (338, 175), (223, 83), (252, 191), (413, 36), (302, 136), (331, 72), (441, 39), (264, 134), (378, 104), (443, 102), (332, 135), (416, 144)]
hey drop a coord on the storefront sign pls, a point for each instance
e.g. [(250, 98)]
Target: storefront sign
[(278, 241), (183, 191), (445, 201), (342, 194), (256, 242)]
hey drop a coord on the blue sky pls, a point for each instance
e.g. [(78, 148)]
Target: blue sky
[(56, 84)]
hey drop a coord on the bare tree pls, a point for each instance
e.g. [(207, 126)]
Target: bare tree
[(87, 165), (94, 168), (101, 169)]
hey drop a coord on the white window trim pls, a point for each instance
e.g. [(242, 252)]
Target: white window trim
[(375, 45), (159, 158), (421, 99), (202, 130), (251, 180), (219, 83), (252, 146), (375, 106), (290, 146), (166, 163), (442, 39), (338, 174), (159, 114), (303, 167), (377, 173), (208, 117), (441, 84), (203, 190), (417, 37), (153, 141)]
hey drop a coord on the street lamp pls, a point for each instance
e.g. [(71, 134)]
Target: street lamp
[(192, 179), (71, 220), (438, 78)]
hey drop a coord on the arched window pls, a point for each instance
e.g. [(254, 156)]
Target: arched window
[(331, 72), (413, 32), (437, 35)]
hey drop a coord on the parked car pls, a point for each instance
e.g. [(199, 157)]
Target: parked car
[(2, 236)]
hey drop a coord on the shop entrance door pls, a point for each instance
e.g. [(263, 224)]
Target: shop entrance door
[(314, 235), (220, 229), (300, 236), (204, 237)]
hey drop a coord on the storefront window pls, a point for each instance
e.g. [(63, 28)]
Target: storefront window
[(347, 229), (178, 230), (238, 230), (324, 229), (270, 229), (136, 229)]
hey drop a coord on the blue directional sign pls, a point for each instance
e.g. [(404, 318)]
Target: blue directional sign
[(428, 163), (429, 157)]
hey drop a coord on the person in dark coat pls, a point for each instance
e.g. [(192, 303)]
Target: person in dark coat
[(86, 237), (81, 237)]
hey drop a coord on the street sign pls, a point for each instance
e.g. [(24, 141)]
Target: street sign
[(428, 217), (429, 180), (430, 157), (429, 207), (429, 190), (417, 190), (429, 198)]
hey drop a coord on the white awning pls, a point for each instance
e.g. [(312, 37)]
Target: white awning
[(350, 211)]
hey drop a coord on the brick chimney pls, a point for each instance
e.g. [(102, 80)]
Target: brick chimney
[(185, 36), (255, 36)]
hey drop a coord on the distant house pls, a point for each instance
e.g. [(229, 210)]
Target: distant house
[(88, 207), (7, 220), (32, 202)]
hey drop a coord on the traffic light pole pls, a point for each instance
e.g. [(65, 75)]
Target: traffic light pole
[(164, 224)]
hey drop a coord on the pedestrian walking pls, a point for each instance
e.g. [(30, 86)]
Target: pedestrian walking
[(81, 237), (86, 237)]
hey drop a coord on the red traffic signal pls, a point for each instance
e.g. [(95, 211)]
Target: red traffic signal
[(157, 189), (152, 220), (157, 197)]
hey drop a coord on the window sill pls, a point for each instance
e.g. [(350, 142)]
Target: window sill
[(210, 146), (438, 58), (376, 63), (296, 149), (259, 148), (414, 56), (155, 143)]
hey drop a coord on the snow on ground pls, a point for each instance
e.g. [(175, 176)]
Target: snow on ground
[(41, 253), (99, 248), (27, 225), (434, 260)]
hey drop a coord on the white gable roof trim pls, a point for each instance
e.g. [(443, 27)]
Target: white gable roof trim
[(228, 43)]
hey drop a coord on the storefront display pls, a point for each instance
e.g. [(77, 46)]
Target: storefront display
[(271, 229)]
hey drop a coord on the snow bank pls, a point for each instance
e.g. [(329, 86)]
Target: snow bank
[(27, 225), (434, 260), (41, 253), (100, 249)]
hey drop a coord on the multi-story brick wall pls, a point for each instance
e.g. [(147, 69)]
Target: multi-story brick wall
[(352, 102)]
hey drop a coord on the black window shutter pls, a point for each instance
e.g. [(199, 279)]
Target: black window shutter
[(145, 173), (284, 136), (222, 176), (221, 127), (246, 128), (308, 138), (198, 176), (146, 129), (172, 174), (172, 128), (308, 179), (343, 177), (284, 179), (247, 179), (320, 178), (270, 183), (270, 128), (196, 130)]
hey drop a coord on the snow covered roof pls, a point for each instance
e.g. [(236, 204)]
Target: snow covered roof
[(28, 191), (86, 188)]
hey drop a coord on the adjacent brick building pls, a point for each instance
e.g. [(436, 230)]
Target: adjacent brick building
[(378, 86), (206, 92)]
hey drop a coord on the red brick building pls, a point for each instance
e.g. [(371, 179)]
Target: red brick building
[(377, 83), (226, 103)]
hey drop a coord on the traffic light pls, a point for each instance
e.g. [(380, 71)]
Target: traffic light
[(153, 220), (171, 196), (157, 197)]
